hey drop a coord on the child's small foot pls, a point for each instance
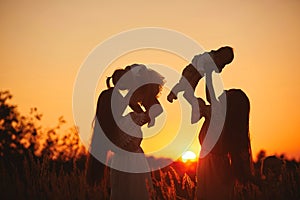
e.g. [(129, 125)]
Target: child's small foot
[(171, 97)]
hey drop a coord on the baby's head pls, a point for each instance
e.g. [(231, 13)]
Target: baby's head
[(222, 56)]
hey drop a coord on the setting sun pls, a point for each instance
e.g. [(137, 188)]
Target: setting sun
[(188, 156)]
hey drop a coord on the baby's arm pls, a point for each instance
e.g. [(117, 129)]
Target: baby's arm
[(136, 107), (133, 103), (175, 90)]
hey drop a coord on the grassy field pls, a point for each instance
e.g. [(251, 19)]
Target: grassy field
[(29, 177)]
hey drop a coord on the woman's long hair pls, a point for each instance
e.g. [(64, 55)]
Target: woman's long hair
[(237, 134), (96, 171)]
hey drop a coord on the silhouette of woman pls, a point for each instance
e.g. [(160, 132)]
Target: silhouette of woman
[(109, 114), (230, 160)]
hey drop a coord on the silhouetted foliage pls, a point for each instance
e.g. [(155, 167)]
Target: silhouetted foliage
[(21, 135), (13, 127)]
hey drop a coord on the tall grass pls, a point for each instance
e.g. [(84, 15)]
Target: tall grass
[(43, 178)]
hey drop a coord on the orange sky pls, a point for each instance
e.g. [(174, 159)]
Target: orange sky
[(44, 43)]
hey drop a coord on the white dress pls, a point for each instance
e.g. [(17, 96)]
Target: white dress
[(130, 176), (133, 186)]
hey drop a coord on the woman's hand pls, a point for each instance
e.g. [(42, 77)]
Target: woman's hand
[(204, 109)]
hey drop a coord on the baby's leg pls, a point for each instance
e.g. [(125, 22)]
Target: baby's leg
[(190, 77), (193, 77), (190, 97)]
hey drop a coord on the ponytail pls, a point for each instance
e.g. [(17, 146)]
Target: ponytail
[(115, 77), (108, 82)]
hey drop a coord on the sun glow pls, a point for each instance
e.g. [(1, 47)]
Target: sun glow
[(188, 156)]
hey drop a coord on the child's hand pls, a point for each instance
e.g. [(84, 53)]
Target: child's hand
[(151, 123), (139, 118), (171, 97)]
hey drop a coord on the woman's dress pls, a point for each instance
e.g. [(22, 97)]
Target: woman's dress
[(214, 176), (129, 159)]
